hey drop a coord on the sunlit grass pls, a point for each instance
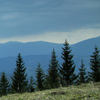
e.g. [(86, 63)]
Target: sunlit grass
[(89, 91)]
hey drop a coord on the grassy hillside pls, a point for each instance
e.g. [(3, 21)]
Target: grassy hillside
[(90, 91)]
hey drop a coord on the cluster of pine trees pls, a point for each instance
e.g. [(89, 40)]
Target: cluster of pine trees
[(56, 76)]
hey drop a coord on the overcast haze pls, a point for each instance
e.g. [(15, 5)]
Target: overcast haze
[(49, 20)]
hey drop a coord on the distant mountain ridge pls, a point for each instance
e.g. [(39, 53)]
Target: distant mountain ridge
[(29, 48), (40, 52)]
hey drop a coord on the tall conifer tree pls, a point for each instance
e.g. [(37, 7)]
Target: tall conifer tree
[(19, 82), (82, 74), (67, 70), (53, 73), (95, 65), (39, 77), (31, 87), (4, 85)]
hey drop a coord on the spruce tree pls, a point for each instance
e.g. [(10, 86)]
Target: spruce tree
[(95, 66), (39, 78), (46, 82), (31, 87), (4, 85), (19, 82), (67, 69), (53, 73), (82, 74)]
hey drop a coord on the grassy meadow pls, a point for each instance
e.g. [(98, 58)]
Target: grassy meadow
[(89, 91)]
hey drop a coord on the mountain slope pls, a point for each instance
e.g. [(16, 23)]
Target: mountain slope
[(88, 91), (86, 47)]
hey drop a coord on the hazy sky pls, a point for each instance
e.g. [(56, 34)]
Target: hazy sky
[(49, 20)]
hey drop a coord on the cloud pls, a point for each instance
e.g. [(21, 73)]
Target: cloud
[(9, 16), (47, 18)]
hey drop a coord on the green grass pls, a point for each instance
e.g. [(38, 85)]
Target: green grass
[(89, 91)]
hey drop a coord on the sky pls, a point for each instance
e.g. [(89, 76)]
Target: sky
[(49, 20)]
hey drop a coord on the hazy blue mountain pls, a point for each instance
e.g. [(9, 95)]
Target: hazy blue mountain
[(86, 47), (31, 62), (83, 50), (40, 52), (29, 48)]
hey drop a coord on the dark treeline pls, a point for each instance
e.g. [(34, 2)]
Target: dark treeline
[(57, 75)]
